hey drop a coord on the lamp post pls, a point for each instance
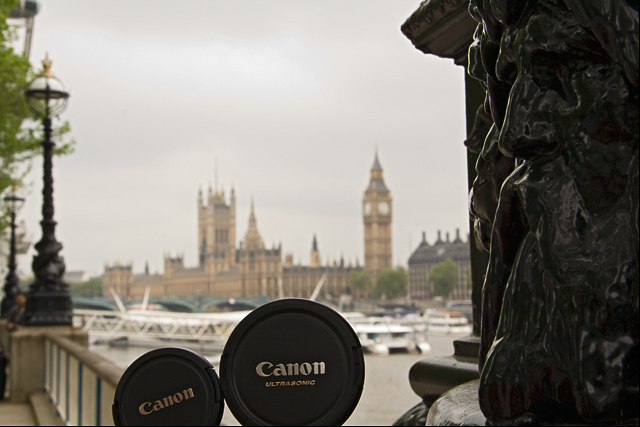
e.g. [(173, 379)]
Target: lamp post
[(11, 284), (48, 299)]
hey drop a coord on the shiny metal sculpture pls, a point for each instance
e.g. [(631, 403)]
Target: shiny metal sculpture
[(556, 205)]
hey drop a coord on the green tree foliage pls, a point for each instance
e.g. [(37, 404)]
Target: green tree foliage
[(444, 277), (391, 282), (20, 130), (90, 288), (360, 280)]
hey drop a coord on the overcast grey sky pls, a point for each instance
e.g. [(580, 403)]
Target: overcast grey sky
[(289, 97)]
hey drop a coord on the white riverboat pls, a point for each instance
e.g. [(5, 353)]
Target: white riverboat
[(446, 322), (383, 338)]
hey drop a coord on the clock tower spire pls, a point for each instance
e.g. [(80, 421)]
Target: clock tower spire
[(377, 215)]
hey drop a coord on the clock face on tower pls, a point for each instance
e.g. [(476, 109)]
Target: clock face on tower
[(367, 208), (383, 208)]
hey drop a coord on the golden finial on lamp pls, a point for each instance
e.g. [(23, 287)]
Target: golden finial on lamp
[(46, 63)]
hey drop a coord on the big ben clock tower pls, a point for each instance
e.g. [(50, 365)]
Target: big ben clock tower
[(377, 213)]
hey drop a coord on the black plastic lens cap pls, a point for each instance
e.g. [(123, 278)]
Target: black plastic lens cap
[(292, 362), (168, 386)]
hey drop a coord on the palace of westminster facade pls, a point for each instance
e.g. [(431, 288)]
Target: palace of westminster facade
[(253, 270)]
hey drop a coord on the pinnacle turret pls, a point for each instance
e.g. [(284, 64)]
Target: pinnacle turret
[(252, 216), (252, 240), (376, 184), (376, 164)]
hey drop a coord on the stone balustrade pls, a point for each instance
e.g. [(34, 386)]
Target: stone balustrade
[(80, 383)]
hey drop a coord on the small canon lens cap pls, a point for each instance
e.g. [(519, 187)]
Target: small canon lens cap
[(168, 386), (292, 362)]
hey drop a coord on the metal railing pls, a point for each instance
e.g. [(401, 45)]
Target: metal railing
[(167, 325), (80, 383)]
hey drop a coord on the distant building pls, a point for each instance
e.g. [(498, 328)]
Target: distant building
[(77, 276), (377, 215), (252, 270), (426, 256)]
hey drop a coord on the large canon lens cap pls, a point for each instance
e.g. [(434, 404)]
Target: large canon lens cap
[(292, 362), (168, 386)]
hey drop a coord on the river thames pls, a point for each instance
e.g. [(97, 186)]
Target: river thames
[(386, 396)]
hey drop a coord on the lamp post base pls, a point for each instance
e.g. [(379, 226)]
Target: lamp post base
[(48, 308)]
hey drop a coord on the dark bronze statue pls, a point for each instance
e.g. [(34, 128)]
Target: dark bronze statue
[(556, 205)]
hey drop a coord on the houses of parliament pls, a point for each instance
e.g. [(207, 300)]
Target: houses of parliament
[(253, 270)]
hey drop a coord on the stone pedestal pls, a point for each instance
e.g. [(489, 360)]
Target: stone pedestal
[(25, 348), (431, 377), (457, 407)]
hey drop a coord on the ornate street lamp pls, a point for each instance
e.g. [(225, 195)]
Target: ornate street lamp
[(11, 284), (48, 299)]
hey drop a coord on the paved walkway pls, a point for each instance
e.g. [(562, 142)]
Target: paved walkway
[(39, 411), (16, 414)]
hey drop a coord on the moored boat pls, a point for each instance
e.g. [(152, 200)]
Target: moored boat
[(446, 322), (383, 338)]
